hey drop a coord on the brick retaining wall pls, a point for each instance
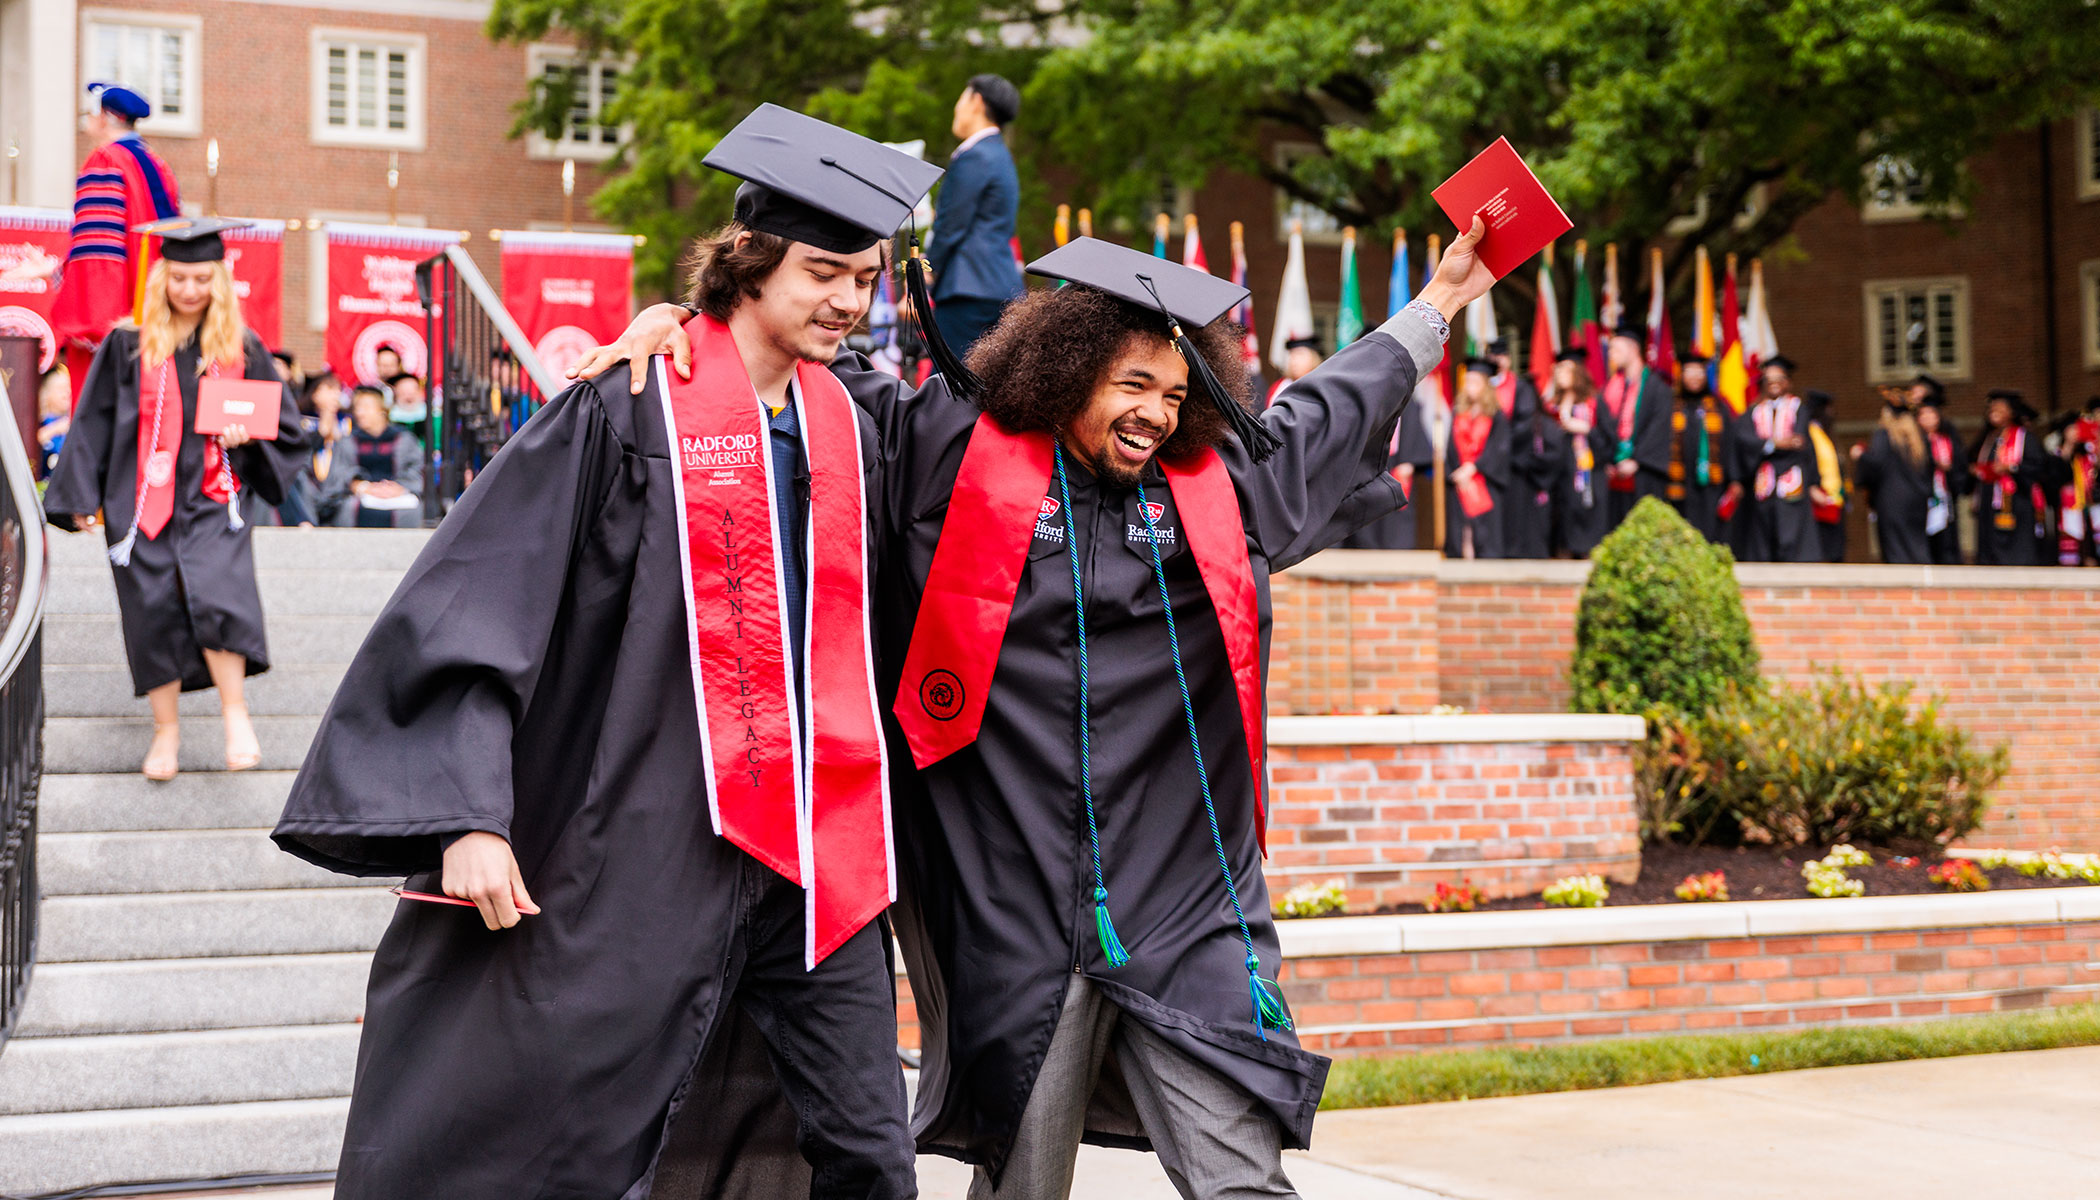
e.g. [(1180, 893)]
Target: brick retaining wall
[(2012, 651)]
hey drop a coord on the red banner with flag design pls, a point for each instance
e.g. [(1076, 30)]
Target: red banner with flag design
[(33, 243), (372, 296), (255, 258), (568, 292)]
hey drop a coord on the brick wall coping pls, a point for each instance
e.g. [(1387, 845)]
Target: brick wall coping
[(1381, 566), (1457, 728), (1416, 933)]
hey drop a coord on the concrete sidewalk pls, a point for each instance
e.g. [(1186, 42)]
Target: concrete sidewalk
[(1942, 1129)]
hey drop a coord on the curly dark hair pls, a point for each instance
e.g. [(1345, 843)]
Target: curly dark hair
[(722, 274), (1040, 364)]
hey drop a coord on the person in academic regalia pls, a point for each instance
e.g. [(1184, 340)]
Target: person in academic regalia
[(1538, 481), (1771, 449), (1525, 524), (1302, 356), (122, 185), (176, 505), (1896, 470), (1583, 507), (2078, 521), (1829, 497), (1477, 476), (1078, 596), (1699, 453), (1637, 404), (1950, 479), (1408, 446), (2009, 465), (624, 702)]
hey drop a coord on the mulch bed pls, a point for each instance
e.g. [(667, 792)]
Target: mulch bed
[(1763, 873)]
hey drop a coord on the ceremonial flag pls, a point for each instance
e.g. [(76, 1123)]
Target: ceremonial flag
[(255, 259), (1759, 342), (1585, 315), (1545, 328), (568, 292), (1446, 371), (1020, 259), (1250, 346), (1703, 343), (1294, 315), (1614, 309), (1062, 231), (1086, 222), (33, 241), (1192, 246), (371, 290), (1398, 291), (1662, 344), (1732, 377), (1349, 317), (1159, 235)]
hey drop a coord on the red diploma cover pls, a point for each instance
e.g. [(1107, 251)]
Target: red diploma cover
[(250, 403), (1521, 218)]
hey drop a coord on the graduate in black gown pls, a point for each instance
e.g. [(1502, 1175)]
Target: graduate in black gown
[(1476, 468), (177, 506), (1408, 444), (1772, 451), (593, 708), (1582, 506), (1538, 480), (1526, 525), (2009, 465), (1829, 498), (1637, 404), (1699, 452), (1896, 470), (1950, 471)]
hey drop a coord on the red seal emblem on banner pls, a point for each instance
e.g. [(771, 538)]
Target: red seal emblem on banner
[(941, 695)]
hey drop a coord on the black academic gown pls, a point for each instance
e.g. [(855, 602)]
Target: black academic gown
[(996, 912), (1538, 474), (192, 588), (1700, 418), (1650, 449), (1396, 530), (1900, 494), (1488, 529), (1955, 480), (1524, 524), (1781, 527), (531, 678), (2019, 542), (1584, 504)]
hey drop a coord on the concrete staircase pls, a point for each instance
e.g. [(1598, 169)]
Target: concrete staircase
[(195, 1004)]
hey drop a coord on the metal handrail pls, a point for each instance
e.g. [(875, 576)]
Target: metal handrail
[(513, 337), (21, 719), (20, 479)]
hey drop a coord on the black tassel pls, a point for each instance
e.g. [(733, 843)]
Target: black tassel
[(963, 383), (1254, 436)]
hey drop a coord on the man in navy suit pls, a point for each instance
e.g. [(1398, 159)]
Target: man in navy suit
[(974, 272)]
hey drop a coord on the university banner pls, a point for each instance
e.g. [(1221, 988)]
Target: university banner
[(32, 242), (372, 296), (255, 257), (569, 292)]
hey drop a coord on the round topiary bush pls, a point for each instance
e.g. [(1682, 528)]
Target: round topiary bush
[(1661, 623)]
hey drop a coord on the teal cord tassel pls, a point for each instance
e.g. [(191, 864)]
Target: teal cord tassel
[(1269, 1012), (1104, 928)]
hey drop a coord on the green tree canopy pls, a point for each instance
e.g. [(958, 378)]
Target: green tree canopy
[(1737, 116)]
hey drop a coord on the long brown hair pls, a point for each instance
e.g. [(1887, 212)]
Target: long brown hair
[(220, 333), (1909, 440)]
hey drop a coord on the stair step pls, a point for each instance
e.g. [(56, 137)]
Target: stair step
[(98, 640), (213, 924), (106, 691), (179, 860), (350, 591), (163, 995), (200, 800), (162, 1070), (278, 549), (49, 1152), (101, 745)]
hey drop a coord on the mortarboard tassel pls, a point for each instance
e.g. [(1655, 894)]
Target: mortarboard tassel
[(962, 382), (1269, 1012), (1254, 437), (1105, 929)]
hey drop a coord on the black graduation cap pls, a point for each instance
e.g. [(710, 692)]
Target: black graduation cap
[(1498, 347), (1935, 392), (1481, 363), (2017, 399), (1304, 343), (121, 100), (1572, 353), (1816, 401), (1630, 328), (1696, 359), (1778, 360), (1183, 296), (810, 181), (191, 239)]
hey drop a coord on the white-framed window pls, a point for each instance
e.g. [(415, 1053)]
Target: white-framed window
[(1915, 325), (1893, 190), (368, 89), (158, 55), (317, 255), (1321, 227), (2089, 153), (2089, 291), (586, 136)]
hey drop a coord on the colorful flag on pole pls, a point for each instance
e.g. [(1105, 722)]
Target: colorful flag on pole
[(1662, 344), (1398, 290), (1020, 259), (1250, 345), (1062, 231), (1192, 246), (1086, 222), (1584, 317), (1349, 316), (1759, 342), (1614, 309), (1545, 327), (1481, 330), (1732, 376), (1294, 315), (1159, 235), (1703, 331)]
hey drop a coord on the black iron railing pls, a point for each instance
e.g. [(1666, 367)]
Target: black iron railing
[(22, 581), (484, 373)]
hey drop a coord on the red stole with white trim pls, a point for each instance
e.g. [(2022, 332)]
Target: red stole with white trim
[(977, 565), (814, 808)]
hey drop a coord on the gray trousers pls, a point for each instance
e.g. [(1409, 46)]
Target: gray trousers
[(1215, 1140)]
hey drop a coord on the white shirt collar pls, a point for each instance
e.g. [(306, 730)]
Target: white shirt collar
[(972, 140)]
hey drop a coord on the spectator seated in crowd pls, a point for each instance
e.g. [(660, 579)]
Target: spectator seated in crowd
[(386, 486)]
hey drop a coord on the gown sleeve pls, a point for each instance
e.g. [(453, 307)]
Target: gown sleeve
[(266, 466), (1651, 446), (75, 487), (914, 428), (417, 742)]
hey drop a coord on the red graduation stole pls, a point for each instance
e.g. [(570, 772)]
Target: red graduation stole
[(823, 823), (977, 567)]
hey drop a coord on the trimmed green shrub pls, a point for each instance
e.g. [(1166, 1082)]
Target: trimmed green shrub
[(1661, 622)]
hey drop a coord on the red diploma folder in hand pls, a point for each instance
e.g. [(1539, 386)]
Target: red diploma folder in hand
[(249, 403), (1521, 218)]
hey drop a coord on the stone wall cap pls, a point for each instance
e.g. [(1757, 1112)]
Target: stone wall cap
[(1380, 566), (1369, 566), (1455, 728)]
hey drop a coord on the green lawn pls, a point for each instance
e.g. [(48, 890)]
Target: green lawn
[(1474, 1074)]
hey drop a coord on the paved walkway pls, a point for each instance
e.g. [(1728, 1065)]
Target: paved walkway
[(1944, 1129)]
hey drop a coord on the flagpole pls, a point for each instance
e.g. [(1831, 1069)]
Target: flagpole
[(1429, 267), (1061, 232), (1086, 222)]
